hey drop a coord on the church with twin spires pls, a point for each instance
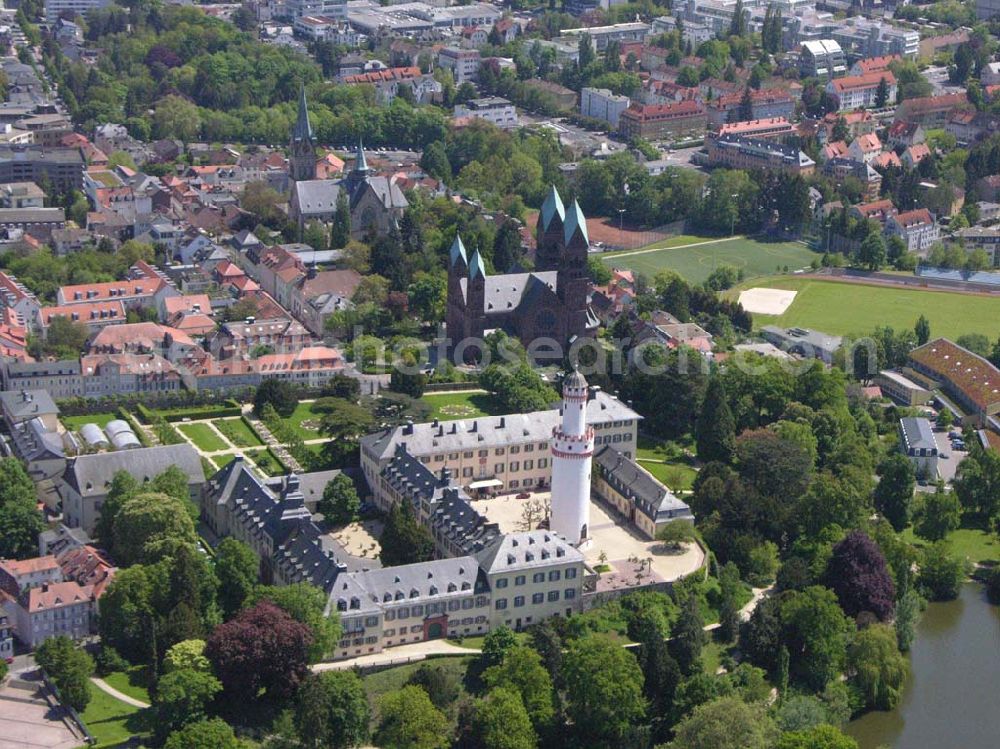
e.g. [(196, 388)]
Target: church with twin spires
[(551, 302)]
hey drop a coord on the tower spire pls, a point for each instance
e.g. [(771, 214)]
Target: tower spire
[(360, 162), (303, 130)]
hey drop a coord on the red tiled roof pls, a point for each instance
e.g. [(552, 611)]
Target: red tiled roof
[(971, 374), (84, 312), (57, 595), (914, 218), (867, 80), (643, 112)]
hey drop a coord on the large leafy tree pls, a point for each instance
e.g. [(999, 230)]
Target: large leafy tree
[(604, 689), (726, 723), (340, 502), (876, 666), (331, 711), (213, 733), (689, 636), (942, 572), (123, 488), (236, 566), (306, 604), (977, 482), (938, 514), (522, 671), (279, 394), (262, 653), (716, 429), (818, 737), (182, 697), (815, 632), (404, 540), (20, 520), (894, 491), (407, 718), (858, 574), (500, 721), (148, 525), (69, 668)]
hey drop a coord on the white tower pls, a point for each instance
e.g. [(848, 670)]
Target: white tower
[(572, 453)]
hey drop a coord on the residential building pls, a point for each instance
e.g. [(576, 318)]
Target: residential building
[(865, 148), (808, 344), (932, 111), (56, 8), (319, 294), (635, 494), (771, 127), (130, 292), (463, 63), (902, 389), (329, 8), (767, 103), (987, 10), (663, 121), (969, 379), (601, 36), (95, 315), (60, 167), (16, 297), (880, 210), (917, 442), (985, 238), (874, 64), (493, 109), (84, 486), (736, 152), (21, 195), (54, 609), (60, 378), (822, 58), (601, 104), (862, 90), (916, 228)]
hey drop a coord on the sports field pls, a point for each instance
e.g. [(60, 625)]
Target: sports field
[(695, 257), (847, 308)]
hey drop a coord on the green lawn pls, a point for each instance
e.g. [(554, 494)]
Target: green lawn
[(266, 461), (676, 475), (469, 404), (382, 682), (111, 721), (238, 432), (134, 682), (973, 542), (844, 309), (305, 422), (695, 263), (203, 436), (101, 419), (223, 460)]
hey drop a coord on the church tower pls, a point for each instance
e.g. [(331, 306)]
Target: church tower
[(549, 232), (573, 280), (458, 272), (302, 149), (360, 171), (572, 455)]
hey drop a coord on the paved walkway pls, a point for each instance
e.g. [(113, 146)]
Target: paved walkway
[(627, 253), (105, 687), (397, 656)]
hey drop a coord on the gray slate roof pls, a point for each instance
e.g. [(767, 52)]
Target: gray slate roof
[(651, 498), (90, 475), (27, 404), (525, 550), (489, 431), (917, 433)]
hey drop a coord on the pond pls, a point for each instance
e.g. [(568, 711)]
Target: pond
[(950, 700)]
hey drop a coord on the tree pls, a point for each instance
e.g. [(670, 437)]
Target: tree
[(815, 632), (236, 566), (938, 515), (148, 525), (716, 428), (340, 502), (186, 655), (182, 697), (760, 638), (676, 533), (262, 653), (331, 710), (857, 573), (688, 636), (745, 111), (872, 252), (69, 668), (882, 92), (340, 230), (977, 482), (279, 394), (604, 690), (404, 540), (306, 604), (441, 684), (876, 666), (128, 617), (523, 672), (907, 614), (176, 117), (818, 737), (941, 572), (738, 26), (894, 491), (213, 733), (123, 487), (507, 249), (408, 720), (20, 520), (726, 723), (661, 677), (922, 328), (497, 643), (65, 337), (501, 722)]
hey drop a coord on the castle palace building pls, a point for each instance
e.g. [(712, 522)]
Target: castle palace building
[(552, 302)]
